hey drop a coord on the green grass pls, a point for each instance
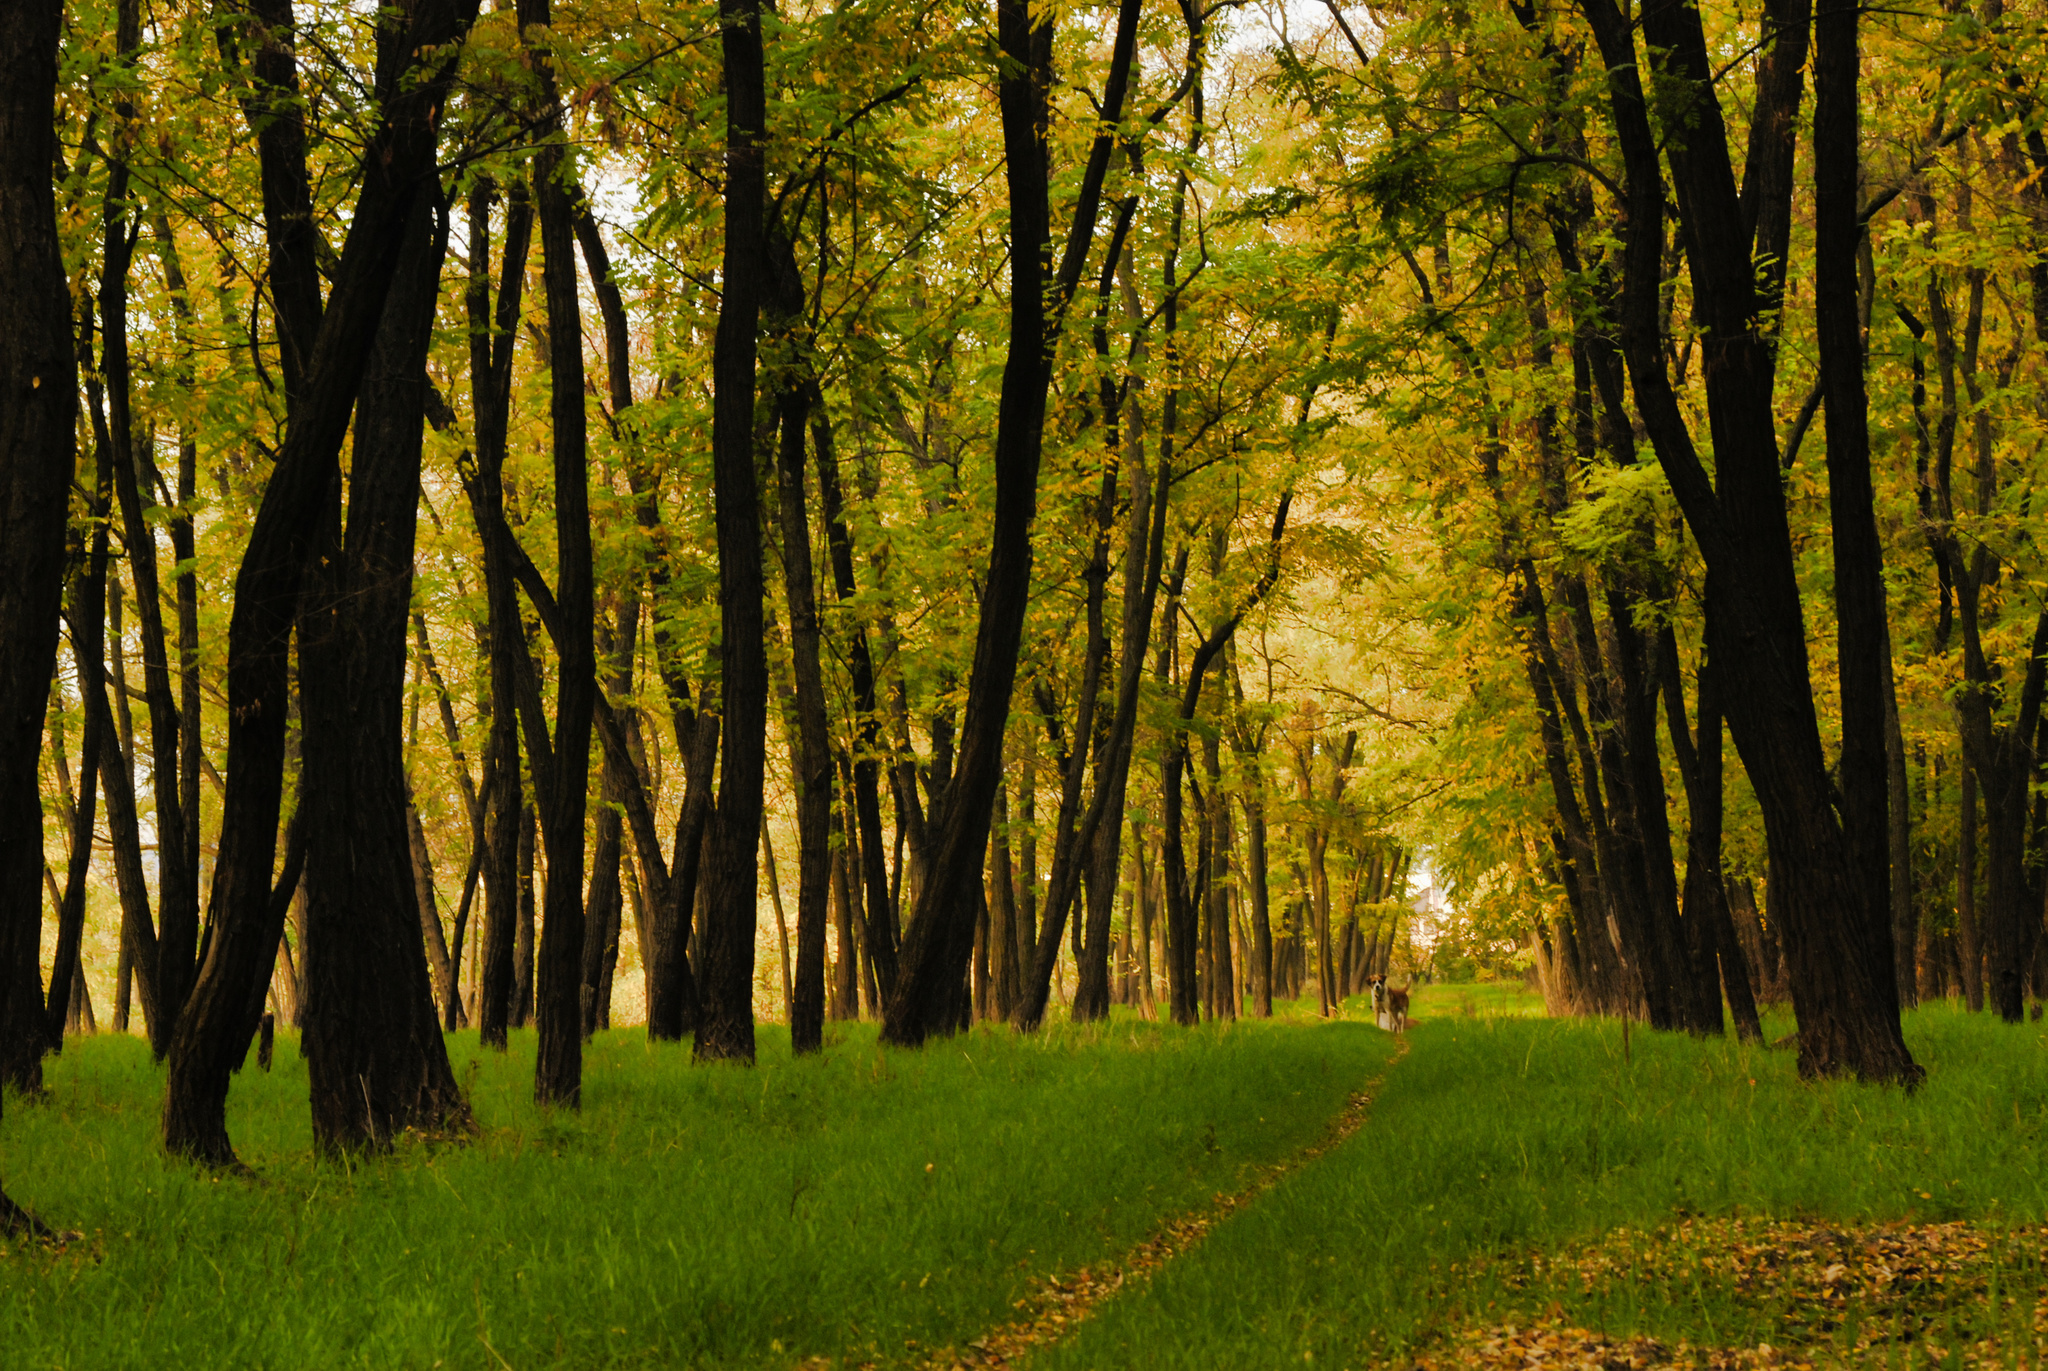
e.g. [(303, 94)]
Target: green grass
[(841, 1206), (1497, 1136)]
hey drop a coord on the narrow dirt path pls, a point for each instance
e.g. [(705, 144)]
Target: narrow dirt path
[(1056, 1303)]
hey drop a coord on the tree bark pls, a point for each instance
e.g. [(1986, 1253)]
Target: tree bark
[(1847, 1011), (217, 1023), (1863, 642), (371, 1035), (811, 753), (38, 446), (725, 1019), (940, 938), (561, 785), (491, 338)]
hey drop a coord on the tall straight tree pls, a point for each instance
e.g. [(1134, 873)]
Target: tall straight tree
[(1863, 642), (796, 393), (38, 407), (491, 338), (560, 779), (417, 49), (725, 1015)]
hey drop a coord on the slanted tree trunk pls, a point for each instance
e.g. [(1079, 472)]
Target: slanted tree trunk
[(177, 892), (940, 937), (560, 784), (87, 616), (1706, 895), (672, 886), (219, 1019), (811, 752)]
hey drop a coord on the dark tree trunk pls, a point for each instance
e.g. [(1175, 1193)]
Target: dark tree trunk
[(672, 887), (1706, 896), (725, 1019), (940, 937), (1847, 1010), (811, 752), (869, 884), (1216, 819), (1969, 948), (1005, 956), (87, 618), (440, 964), (38, 446), (1905, 911), (491, 338), (604, 913), (524, 932), (217, 1023), (560, 777), (1863, 642), (177, 892), (372, 1039), (845, 1002)]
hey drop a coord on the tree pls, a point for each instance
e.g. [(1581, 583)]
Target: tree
[(38, 402)]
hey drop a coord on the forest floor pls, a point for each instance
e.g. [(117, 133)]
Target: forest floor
[(861, 1206), (1500, 1191), (1537, 1193)]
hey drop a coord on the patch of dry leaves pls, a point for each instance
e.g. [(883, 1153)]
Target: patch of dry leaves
[(1897, 1288)]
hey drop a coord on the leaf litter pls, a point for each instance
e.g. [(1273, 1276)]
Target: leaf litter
[(1901, 1293)]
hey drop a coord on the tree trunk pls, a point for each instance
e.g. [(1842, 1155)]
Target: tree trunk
[(940, 938), (1847, 1011), (1706, 896), (491, 339), (372, 1042), (218, 1020), (811, 752), (38, 408), (440, 963), (1863, 641), (560, 784), (1969, 949), (87, 616), (725, 1020), (525, 933)]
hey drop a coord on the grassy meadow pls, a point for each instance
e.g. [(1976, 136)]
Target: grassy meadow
[(845, 1206)]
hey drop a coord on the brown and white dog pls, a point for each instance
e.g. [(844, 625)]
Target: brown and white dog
[(1397, 1009)]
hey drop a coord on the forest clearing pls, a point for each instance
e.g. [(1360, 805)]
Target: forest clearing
[(712, 682)]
